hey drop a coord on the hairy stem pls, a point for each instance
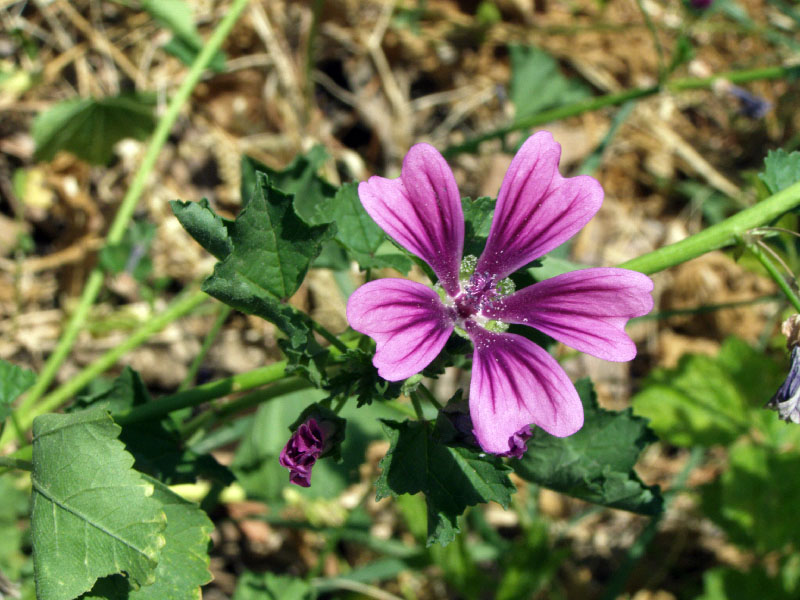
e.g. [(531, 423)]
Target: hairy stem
[(724, 233), (776, 275), (241, 382), (598, 102), (14, 463)]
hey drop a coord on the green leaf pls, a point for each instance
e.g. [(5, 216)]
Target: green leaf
[(92, 514), (156, 446), (298, 179), (13, 512), (269, 586), (705, 400), (90, 127), (478, 215), (781, 169), (272, 247), (182, 562), (13, 381), (537, 83), (451, 477), (725, 583), (356, 231), (176, 15), (751, 498), (210, 230), (358, 378), (596, 463)]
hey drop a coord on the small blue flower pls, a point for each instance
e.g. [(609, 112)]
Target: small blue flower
[(787, 399)]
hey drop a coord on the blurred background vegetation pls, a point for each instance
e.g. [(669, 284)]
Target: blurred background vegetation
[(343, 88)]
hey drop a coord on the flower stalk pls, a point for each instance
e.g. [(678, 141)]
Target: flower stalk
[(95, 281), (723, 234)]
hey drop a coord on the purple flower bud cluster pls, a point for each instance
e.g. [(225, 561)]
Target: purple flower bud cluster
[(302, 450)]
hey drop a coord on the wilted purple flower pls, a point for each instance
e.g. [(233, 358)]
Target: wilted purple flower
[(787, 399), (751, 106), (701, 4), (515, 382), (302, 451)]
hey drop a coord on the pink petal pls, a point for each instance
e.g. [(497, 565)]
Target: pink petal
[(407, 320), (537, 209), (586, 309), (421, 211), (516, 383)]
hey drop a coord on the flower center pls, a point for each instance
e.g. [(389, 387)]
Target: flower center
[(478, 289)]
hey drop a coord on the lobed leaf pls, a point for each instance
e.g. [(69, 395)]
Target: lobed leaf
[(451, 477), (156, 446), (705, 400), (90, 127), (272, 247), (299, 179), (596, 463), (183, 561), (537, 83), (781, 169), (210, 230), (92, 514)]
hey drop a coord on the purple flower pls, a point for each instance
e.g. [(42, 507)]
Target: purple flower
[(302, 451), (787, 399), (515, 383)]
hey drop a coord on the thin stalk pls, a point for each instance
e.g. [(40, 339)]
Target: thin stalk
[(656, 42), (335, 341), (129, 202), (220, 413), (211, 336), (417, 405), (776, 275), (240, 382), (428, 395), (63, 393), (598, 102), (14, 463), (725, 233)]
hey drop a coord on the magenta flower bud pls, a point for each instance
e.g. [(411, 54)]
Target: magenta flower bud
[(518, 443), (306, 445), (701, 4)]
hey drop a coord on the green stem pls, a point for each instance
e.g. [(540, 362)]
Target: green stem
[(129, 202), (724, 233), (220, 413), (335, 341), (61, 394), (14, 463), (424, 391), (598, 102), (775, 274), (224, 311), (656, 42), (417, 405), (241, 382)]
